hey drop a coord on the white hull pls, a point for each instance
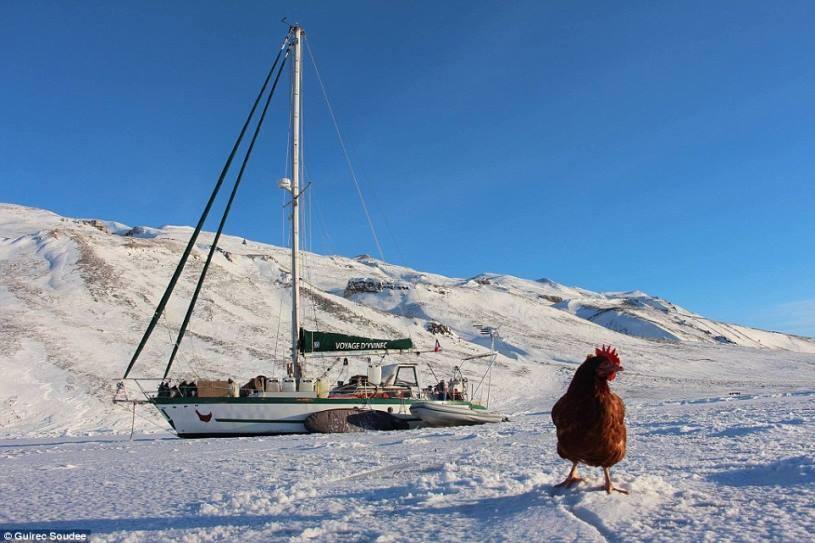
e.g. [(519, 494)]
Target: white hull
[(214, 417), (437, 414)]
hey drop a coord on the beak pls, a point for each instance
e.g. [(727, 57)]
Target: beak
[(619, 368)]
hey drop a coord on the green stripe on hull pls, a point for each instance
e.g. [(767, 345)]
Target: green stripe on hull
[(273, 421), (222, 435)]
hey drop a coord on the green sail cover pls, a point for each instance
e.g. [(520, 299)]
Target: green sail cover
[(322, 342)]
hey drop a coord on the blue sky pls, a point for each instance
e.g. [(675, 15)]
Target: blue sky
[(666, 147)]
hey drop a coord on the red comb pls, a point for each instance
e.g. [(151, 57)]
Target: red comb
[(608, 353)]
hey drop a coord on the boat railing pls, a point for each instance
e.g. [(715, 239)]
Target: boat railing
[(171, 388)]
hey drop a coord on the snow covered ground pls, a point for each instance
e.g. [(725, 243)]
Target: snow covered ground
[(720, 416), (724, 468)]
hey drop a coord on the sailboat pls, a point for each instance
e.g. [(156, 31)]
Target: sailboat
[(293, 404)]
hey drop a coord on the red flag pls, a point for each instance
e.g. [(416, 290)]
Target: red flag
[(437, 348)]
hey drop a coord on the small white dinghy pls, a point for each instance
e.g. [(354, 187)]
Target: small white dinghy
[(435, 414)]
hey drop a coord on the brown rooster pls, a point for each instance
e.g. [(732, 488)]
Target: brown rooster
[(589, 418)]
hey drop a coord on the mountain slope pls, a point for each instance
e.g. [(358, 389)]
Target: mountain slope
[(76, 295)]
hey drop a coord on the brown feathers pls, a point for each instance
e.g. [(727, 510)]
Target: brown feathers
[(589, 418)]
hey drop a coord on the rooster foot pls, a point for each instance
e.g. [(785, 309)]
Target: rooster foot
[(572, 479), (609, 487)]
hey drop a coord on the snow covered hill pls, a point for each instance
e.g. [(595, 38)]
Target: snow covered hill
[(76, 296), (719, 416)]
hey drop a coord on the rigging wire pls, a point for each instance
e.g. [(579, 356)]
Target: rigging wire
[(284, 237), (285, 228), (394, 245), (165, 324), (190, 361), (160, 427), (168, 328), (345, 151), (221, 225), (303, 254), (279, 322), (182, 263), (331, 246), (348, 159), (305, 218)]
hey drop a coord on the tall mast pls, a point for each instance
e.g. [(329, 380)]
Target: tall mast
[(295, 206)]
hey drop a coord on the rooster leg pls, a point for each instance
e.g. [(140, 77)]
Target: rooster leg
[(571, 479), (609, 486)]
